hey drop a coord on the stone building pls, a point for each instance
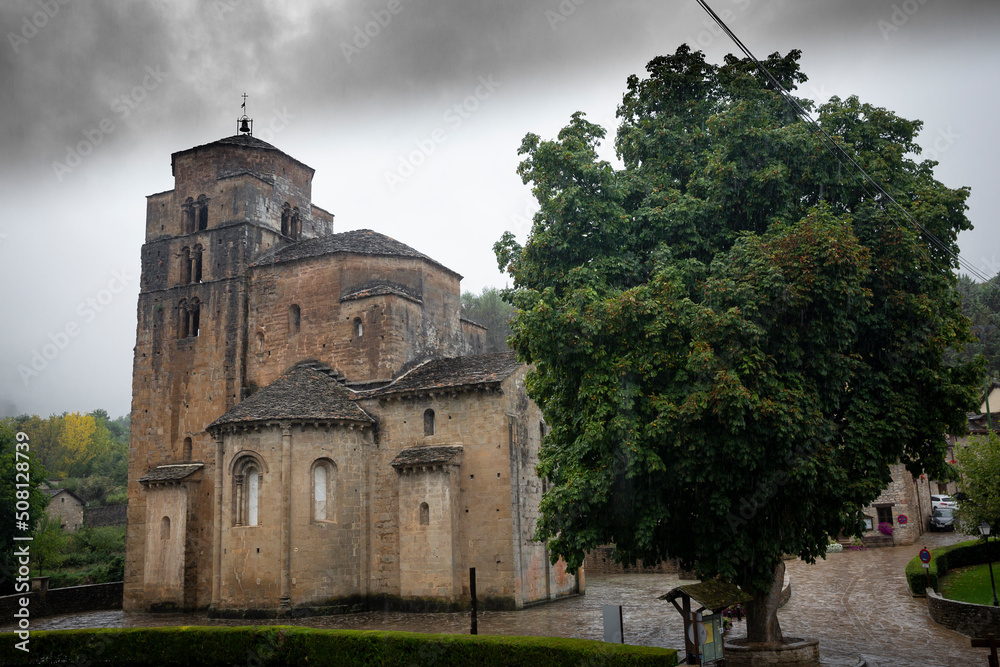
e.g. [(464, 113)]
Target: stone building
[(905, 505), (312, 427), (65, 506)]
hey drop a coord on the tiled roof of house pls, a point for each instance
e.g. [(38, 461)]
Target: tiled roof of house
[(421, 456), (451, 372), (381, 288), (360, 241), (171, 472), (302, 392), (52, 493)]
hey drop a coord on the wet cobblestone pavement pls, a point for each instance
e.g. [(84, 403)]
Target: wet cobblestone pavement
[(856, 603)]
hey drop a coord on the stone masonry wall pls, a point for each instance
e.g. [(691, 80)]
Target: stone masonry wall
[(973, 620)]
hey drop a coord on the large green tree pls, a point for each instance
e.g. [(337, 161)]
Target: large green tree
[(733, 337), (19, 465)]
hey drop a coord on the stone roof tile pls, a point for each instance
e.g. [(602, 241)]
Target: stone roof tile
[(171, 472), (426, 455), (451, 372), (302, 392)]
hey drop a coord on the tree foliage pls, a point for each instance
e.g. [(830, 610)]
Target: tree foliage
[(732, 339), (978, 464), (490, 310), (10, 495)]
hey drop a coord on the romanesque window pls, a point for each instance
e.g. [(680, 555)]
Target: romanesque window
[(246, 491), (185, 265), (187, 449), (260, 342), (286, 219), (202, 213), (425, 514), (324, 485), (359, 329), (296, 226), (196, 264), (294, 318), (428, 422), (187, 213), (194, 317), (165, 528), (182, 319)]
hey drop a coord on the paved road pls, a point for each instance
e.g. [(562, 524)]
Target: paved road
[(855, 602)]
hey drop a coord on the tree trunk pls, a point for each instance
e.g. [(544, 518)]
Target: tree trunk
[(762, 611)]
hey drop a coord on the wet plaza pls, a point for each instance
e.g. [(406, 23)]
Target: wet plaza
[(856, 603)]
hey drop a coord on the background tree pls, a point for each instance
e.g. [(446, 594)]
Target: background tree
[(489, 309), (732, 339), (978, 465), (48, 545), (8, 500)]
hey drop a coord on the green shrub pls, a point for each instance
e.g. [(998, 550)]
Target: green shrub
[(287, 645), (972, 552)]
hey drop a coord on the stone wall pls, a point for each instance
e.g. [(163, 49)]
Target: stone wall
[(904, 496), (70, 600), (65, 507), (108, 515), (599, 561), (973, 620)]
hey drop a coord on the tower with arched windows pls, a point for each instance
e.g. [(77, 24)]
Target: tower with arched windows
[(310, 425)]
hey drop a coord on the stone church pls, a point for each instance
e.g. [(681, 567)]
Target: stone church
[(313, 427)]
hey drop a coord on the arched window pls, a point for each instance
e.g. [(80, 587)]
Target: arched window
[(359, 328), (165, 528), (294, 318), (202, 213), (187, 449), (324, 495), (425, 514), (296, 226), (194, 317), (196, 264), (286, 219), (187, 216), (247, 480), (182, 319), (185, 265), (260, 342), (428, 422)]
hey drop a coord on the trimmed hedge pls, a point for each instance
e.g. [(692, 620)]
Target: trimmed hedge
[(972, 552), (292, 645)]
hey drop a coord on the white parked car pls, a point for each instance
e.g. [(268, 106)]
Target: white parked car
[(943, 501)]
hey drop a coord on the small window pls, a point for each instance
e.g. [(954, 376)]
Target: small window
[(286, 219), (202, 213), (294, 318), (187, 216), (324, 490), (185, 265), (253, 490), (194, 317), (187, 449), (260, 342), (884, 515), (196, 264), (296, 226), (246, 491), (425, 514), (359, 329), (165, 528), (182, 319), (428, 422)]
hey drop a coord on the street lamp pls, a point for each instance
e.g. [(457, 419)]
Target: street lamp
[(984, 530)]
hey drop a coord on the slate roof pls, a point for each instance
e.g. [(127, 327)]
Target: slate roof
[(171, 472), (52, 493), (382, 288), (302, 392), (421, 456), (360, 242), (451, 372), (243, 140), (714, 595)]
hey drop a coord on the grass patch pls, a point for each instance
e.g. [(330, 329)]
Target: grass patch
[(970, 584)]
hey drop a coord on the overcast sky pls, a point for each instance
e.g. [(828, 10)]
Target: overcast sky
[(411, 112)]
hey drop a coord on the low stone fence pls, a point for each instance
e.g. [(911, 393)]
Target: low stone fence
[(69, 600), (599, 561), (973, 620), (108, 515)]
